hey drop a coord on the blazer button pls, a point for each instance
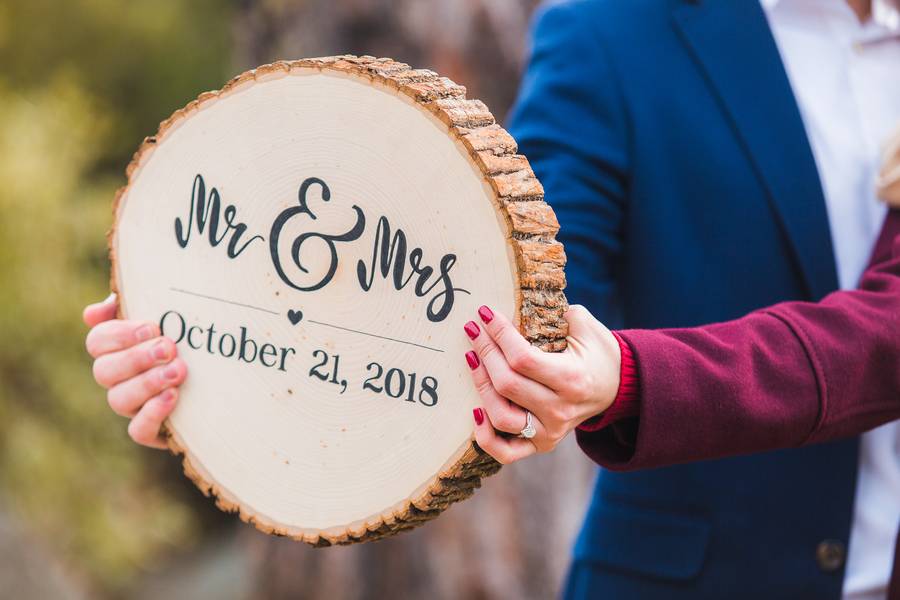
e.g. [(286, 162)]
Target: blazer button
[(831, 554)]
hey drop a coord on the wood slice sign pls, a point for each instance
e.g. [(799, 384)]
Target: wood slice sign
[(313, 237)]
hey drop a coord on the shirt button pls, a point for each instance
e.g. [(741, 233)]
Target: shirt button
[(831, 554)]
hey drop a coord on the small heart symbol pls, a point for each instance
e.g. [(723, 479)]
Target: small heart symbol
[(295, 316)]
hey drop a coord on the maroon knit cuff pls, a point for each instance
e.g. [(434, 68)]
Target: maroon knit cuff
[(626, 403)]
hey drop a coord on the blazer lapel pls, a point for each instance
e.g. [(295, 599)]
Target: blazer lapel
[(732, 43)]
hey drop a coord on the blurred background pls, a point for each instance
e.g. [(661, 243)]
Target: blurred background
[(84, 513)]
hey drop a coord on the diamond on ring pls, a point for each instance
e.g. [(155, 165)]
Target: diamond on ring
[(529, 431)]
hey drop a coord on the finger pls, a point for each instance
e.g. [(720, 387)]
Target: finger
[(100, 311), (505, 415), (145, 426), (128, 397), (504, 450), (510, 384), (524, 358), (583, 327), (115, 335), (115, 367)]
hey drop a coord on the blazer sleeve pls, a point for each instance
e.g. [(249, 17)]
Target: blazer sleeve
[(793, 374), (570, 121)]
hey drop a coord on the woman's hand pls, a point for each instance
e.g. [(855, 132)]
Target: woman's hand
[(137, 366), (561, 390)]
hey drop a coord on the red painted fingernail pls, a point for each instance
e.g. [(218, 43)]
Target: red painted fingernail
[(479, 415), (168, 396), (472, 330), (472, 359), (486, 314)]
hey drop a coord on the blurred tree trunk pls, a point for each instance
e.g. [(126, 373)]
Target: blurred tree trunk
[(477, 43), (513, 539)]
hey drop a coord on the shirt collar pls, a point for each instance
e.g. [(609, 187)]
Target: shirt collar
[(885, 13)]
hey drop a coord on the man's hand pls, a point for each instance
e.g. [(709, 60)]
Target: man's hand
[(561, 390), (137, 366)]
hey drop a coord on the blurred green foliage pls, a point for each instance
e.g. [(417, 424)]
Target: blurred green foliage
[(82, 81)]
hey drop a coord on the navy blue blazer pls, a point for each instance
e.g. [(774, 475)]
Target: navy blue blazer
[(670, 144)]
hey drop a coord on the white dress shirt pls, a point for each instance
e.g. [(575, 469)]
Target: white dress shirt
[(846, 78)]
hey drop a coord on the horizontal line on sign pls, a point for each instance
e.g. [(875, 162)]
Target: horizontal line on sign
[(272, 312), (265, 310), (374, 335)]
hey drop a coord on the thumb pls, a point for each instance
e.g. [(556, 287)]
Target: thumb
[(100, 311), (586, 332), (581, 322)]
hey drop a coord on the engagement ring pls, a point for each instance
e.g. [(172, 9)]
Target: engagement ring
[(529, 431)]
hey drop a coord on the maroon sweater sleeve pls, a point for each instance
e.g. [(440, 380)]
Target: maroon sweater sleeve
[(792, 374), (625, 404)]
